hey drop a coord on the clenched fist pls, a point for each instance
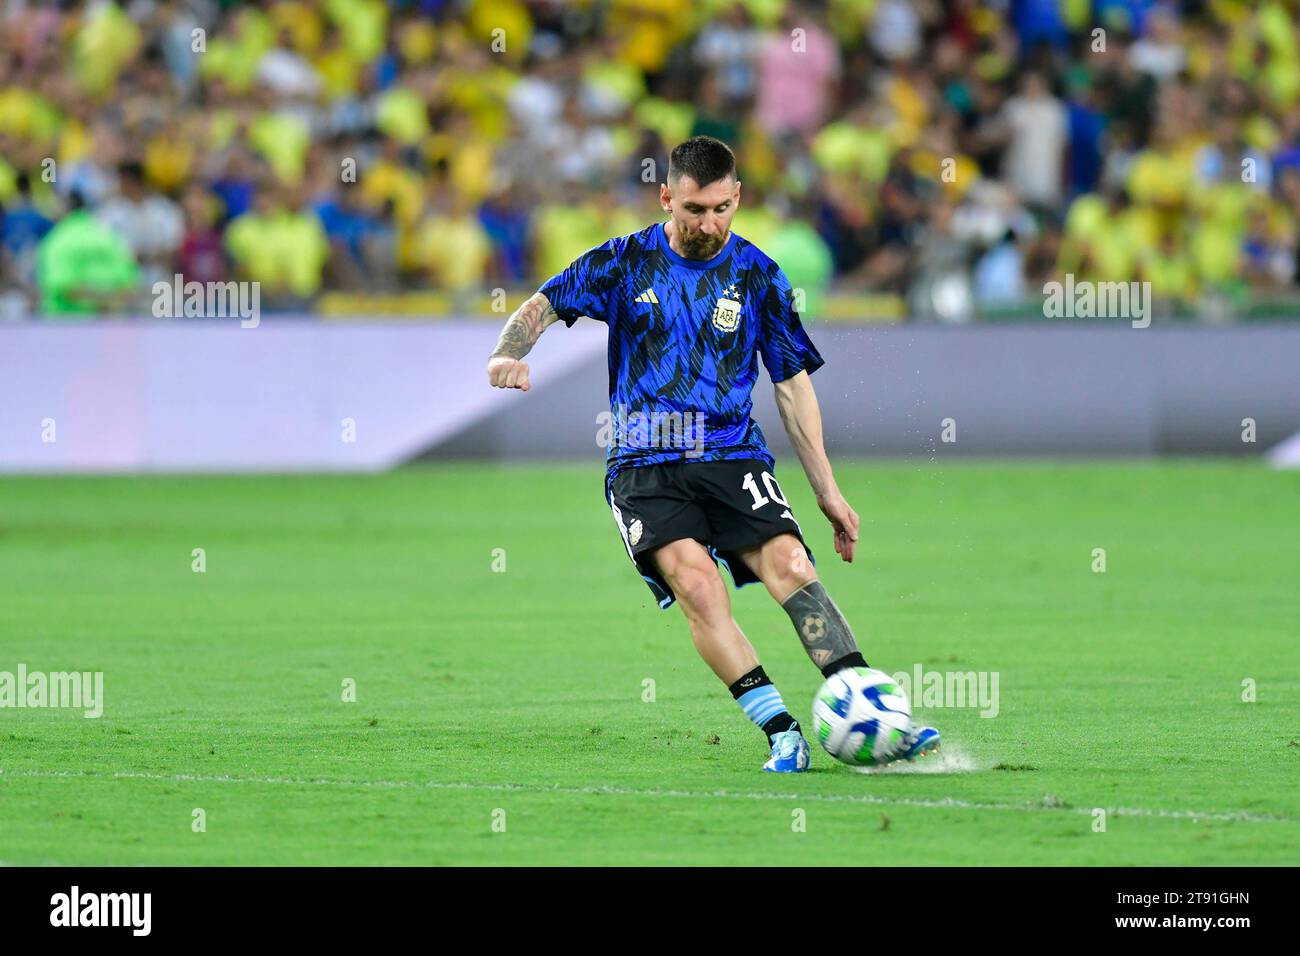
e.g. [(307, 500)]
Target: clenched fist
[(505, 372)]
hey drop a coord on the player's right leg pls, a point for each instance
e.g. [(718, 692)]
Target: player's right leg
[(688, 569), (690, 572)]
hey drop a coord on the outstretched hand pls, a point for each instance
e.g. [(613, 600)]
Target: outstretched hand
[(844, 520)]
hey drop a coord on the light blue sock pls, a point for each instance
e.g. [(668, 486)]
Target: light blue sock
[(764, 706)]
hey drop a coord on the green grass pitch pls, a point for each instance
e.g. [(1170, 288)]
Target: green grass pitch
[(516, 697)]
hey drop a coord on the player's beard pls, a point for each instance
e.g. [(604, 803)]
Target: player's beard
[(698, 245)]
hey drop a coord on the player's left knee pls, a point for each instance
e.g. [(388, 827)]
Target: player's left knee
[(788, 563)]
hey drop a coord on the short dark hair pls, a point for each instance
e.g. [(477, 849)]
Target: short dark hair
[(703, 158), (131, 169)]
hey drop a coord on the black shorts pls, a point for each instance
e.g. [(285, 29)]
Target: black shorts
[(727, 506)]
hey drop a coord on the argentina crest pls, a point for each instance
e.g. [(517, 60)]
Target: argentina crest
[(726, 312)]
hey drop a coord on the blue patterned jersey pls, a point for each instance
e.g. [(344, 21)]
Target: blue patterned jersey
[(685, 337)]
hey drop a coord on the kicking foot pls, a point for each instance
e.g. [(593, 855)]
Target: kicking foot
[(919, 742)]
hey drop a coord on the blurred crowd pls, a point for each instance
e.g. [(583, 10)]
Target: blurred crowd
[(954, 154)]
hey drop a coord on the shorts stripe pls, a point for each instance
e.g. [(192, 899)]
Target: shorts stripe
[(622, 531)]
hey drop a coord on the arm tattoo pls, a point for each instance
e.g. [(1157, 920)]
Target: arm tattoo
[(523, 329)]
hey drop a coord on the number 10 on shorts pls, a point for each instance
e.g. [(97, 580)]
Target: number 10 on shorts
[(773, 493)]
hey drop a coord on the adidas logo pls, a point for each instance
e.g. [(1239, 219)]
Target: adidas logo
[(648, 296)]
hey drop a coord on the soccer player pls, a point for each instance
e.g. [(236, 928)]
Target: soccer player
[(691, 307)]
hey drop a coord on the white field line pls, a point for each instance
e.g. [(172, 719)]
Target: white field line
[(946, 803)]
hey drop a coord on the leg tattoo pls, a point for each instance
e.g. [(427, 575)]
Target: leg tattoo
[(826, 636)]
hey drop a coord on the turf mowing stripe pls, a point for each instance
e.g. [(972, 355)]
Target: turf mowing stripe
[(946, 803)]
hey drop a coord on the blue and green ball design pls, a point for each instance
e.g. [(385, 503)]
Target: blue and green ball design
[(861, 716)]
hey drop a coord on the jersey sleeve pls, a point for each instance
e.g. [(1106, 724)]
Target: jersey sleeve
[(784, 344), (584, 287)]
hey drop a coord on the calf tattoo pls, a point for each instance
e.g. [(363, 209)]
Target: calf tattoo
[(825, 634)]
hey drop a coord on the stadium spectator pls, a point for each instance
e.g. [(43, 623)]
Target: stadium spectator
[(804, 257), (452, 244), (22, 227), (83, 267), (151, 224), (729, 50), (280, 245), (1000, 273), (1034, 126), (202, 258), (797, 66)]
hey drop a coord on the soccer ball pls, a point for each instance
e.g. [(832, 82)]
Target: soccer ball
[(861, 716)]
